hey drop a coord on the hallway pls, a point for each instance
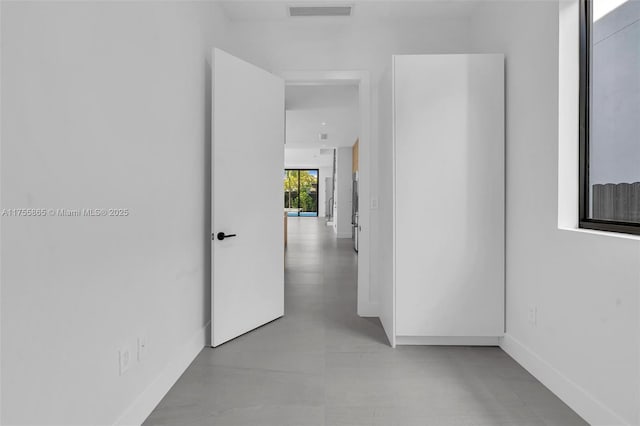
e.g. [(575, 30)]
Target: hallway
[(321, 364)]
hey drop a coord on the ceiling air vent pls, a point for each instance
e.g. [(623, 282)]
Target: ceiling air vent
[(324, 136), (319, 11)]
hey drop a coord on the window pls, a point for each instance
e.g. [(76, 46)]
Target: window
[(301, 192), (610, 115)]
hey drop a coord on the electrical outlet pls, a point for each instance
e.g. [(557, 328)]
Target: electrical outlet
[(533, 315), (374, 203), (142, 348), (124, 359)]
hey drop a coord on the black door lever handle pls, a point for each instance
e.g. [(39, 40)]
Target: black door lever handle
[(221, 236)]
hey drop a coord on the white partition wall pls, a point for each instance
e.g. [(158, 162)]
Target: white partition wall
[(448, 139), (343, 202), (384, 238)]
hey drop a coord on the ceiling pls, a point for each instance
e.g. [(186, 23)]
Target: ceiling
[(371, 10), (309, 106)]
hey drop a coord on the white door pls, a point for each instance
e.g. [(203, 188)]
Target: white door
[(247, 171)]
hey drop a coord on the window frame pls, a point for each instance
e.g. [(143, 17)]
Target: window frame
[(585, 104)]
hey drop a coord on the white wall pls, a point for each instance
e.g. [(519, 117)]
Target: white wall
[(105, 105), (584, 286), (383, 216), (324, 172), (343, 203)]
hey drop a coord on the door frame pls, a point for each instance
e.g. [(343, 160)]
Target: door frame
[(367, 307)]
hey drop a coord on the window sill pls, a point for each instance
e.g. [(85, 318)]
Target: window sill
[(619, 235)]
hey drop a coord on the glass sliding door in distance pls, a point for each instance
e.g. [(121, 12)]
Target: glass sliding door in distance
[(301, 192)]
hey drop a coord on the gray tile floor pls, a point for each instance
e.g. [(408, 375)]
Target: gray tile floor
[(323, 365)]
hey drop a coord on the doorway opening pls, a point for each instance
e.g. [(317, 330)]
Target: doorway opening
[(329, 153), (320, 188)]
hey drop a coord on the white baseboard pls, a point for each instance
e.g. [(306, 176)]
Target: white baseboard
[(368, 309), (448, 340), (583, 403), (138, 412), (344, 235)]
